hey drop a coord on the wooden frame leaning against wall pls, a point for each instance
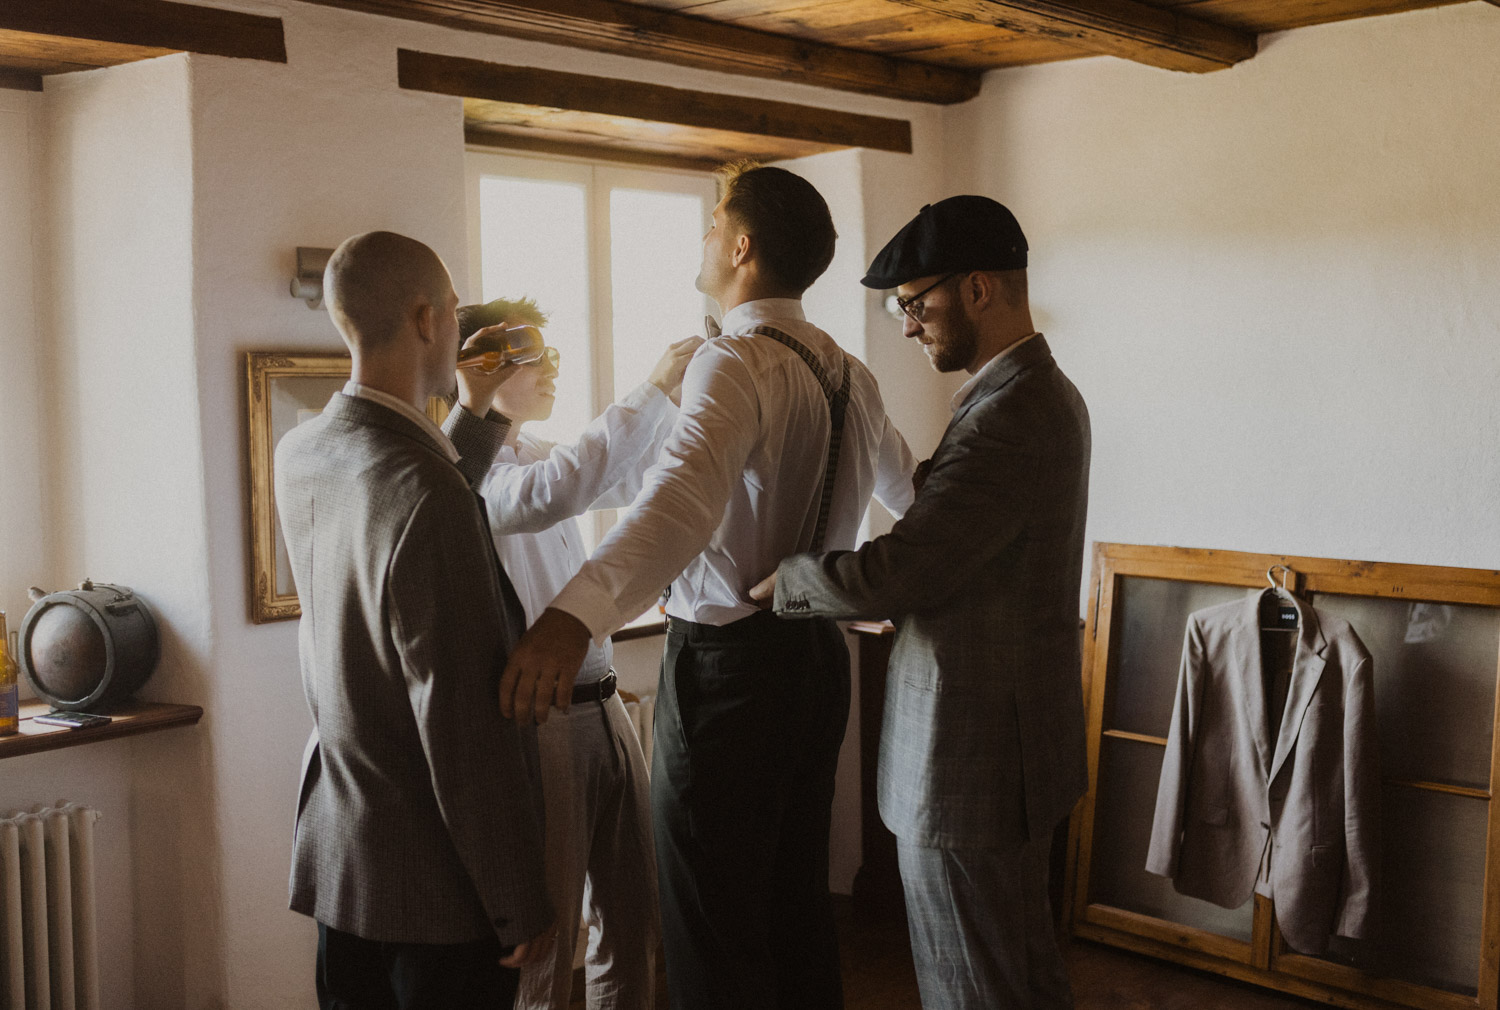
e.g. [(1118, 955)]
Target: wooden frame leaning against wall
[(1434, 634)]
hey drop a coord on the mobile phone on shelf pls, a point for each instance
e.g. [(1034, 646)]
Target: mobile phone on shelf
[(72, 720)]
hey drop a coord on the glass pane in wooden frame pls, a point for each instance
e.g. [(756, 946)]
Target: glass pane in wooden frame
[(1431, 892), (1434, 684), (1149, 621), (1128, 774)]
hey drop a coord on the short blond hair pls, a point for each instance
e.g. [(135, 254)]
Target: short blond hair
[(518, 311)]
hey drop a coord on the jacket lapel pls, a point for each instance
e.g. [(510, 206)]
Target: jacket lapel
[(1307, 670), (1247, 657)]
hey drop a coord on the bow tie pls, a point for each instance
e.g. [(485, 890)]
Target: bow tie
[(711, 327)]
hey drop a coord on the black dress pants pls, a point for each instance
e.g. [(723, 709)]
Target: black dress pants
[(749, 719), (359, 974)]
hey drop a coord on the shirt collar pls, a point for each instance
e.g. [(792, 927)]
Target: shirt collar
[(749, 314), (974, 380), (406, 410)]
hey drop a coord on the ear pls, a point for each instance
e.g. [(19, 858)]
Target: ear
[(979, 289), (740, 254), (425, 317)]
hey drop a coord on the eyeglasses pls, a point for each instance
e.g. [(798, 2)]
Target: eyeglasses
[(549, 355), (914, 306)]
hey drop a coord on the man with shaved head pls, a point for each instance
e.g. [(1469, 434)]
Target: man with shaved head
[(418, 843)]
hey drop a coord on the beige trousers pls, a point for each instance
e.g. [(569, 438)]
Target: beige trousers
[(600, 860)]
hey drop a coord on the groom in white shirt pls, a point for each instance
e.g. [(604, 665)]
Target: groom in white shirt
[(780, 441)]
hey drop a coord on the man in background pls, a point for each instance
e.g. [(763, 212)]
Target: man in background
[(751, 709), (982, 747), (418, 842), (598, 832)]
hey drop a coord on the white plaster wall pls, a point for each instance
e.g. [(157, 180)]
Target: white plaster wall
[(1275, 285), (22, 501), (113, 423)]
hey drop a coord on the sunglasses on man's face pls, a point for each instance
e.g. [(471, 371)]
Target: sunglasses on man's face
[(549, 355)]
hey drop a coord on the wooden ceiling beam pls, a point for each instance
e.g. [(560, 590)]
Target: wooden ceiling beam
[(159, 24), (608, 96), (1125, 28), (20, 80), (650, 33), (592, 152)]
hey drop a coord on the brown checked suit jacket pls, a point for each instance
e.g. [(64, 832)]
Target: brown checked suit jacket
[(1227, 790), (983, 742), (419, 819)]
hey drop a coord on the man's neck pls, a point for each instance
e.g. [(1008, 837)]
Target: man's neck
[(739, 294), (999, 339), (395, 378)]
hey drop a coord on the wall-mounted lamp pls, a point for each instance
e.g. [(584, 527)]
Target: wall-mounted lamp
[(307, 284)]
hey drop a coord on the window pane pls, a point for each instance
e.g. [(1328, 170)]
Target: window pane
[(1128, 775), (656, 246), (534, 242)]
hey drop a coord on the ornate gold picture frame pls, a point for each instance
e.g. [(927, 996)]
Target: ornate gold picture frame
[(283, 390)]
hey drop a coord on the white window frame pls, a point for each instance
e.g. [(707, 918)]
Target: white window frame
[(598, 179)]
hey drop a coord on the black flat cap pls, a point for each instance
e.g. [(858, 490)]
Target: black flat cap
[(959, 233)]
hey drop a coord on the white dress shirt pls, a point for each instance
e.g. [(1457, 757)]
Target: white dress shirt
[(536, 489), (400, 406), (737, 485)]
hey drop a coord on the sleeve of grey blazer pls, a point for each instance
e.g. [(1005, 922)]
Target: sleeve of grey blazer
[(477, 440), (482, 792), (977, 499), (1172, 789)]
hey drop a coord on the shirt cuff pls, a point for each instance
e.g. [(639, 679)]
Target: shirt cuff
[(593, 606)]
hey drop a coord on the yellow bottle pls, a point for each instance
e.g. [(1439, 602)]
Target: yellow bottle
[(10, 712)]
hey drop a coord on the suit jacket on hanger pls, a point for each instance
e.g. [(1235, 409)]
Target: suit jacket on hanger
[(1230, 787)]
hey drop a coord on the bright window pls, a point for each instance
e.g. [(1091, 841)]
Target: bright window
[(609, 253)]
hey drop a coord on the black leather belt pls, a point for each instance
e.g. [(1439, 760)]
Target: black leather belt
[(598, 690)]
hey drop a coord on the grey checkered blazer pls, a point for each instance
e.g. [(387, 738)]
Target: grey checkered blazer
[(983, 741), (419, 819)]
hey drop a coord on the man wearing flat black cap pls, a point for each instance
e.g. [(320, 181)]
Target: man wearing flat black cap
[(982, 749)]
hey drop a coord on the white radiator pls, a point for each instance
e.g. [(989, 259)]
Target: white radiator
[(641, 714), (48, 950)]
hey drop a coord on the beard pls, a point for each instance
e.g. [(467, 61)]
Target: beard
[(959, 342)]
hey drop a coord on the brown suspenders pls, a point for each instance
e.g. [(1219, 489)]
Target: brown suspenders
[(838, 405)]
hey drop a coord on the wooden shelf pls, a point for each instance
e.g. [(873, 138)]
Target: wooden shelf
[(129, 720)]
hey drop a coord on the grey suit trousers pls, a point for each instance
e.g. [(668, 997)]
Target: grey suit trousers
[(981, 928)]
